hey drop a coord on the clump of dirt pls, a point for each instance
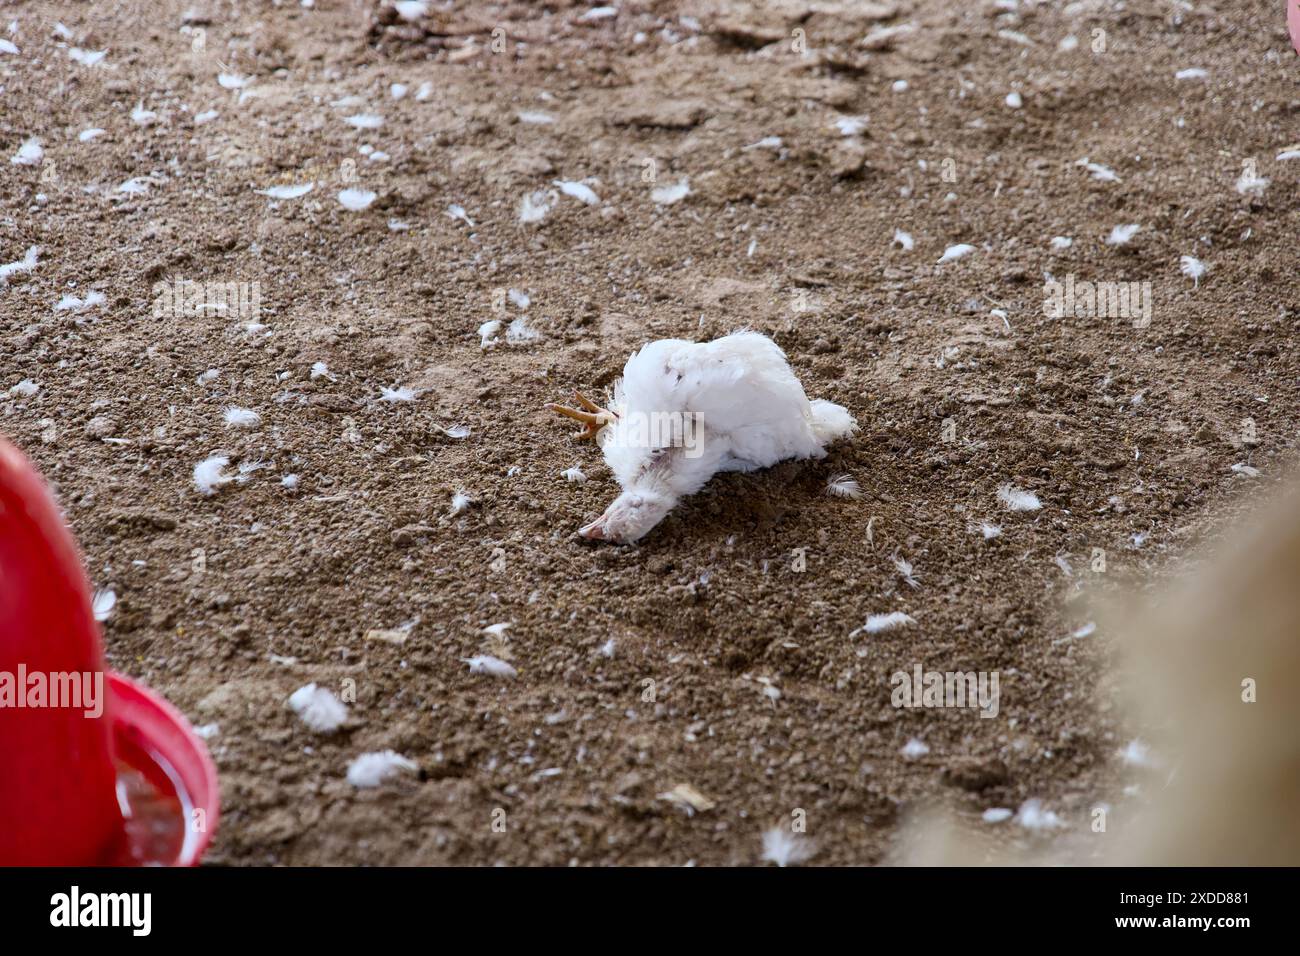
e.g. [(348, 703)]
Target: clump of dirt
[(718, 652)]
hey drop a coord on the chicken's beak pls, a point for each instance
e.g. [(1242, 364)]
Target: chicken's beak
[(591, 415), (597, 530)]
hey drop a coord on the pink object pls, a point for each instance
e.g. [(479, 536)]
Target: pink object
[(59, 765), (1293, 22)]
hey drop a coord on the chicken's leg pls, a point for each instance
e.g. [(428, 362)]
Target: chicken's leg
[(592, 415)]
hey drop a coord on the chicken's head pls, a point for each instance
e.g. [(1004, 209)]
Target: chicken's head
[(630, 516)]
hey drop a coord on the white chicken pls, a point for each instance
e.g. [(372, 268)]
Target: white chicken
[(684, 411)]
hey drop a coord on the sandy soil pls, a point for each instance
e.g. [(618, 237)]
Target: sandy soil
[(1127, 433)]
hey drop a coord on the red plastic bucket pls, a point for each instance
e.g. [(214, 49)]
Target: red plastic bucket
[(68, 729)]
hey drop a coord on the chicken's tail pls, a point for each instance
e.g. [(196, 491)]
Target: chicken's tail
[(831, 422)]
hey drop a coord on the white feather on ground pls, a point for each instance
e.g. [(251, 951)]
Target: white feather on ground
[(1122, 235), (953, 253), (86, 135), (842, 486), (1061, 243), (1193, 268), (1137, 754), (72, 303), (288, 192), (1017, 499), (460, 503), (400, 394), (30, 153), (236, 417), (1103, 174), (535, 206), (25, 389), (86, 57), (521, 333), (487, 333), (1252, 184), (1192, 73), (1032, 816), (373, 769), (876, 623), (356, 200), (364, 120), (209, 474), (27, 263), (318, 708), (904, 239), (914, 749), (989, 530), (102, 604), (668, 195), (578, 191), (997, 815), (905, 571), (489, 665), (786, 848), (574, 475)]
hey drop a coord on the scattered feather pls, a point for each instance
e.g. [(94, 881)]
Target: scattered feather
[(535, 118), (521, 333), (30, 153), (535, 205), (288, 192), (1192, 73), (460, 503), (103, 603), (785, 848), (1122, 235), (989, 530), (86, 135), (73, 303), (402, 393), (850, 125), (915, 748), (373, 769), (232, 81), (489, 665), (26, 264), (141, 116), (1015, 100), (321, 370), (607, 649), (574, 475), (136, 186), (411, 10), (207, 116), (876, 623), (7, 46), (457, 431), (457, 211), (208, 377), (318, 708), (997, 815), (356, 200), (578, 191), (842, 486), (209, 474), (487, 333), (1251, 183), (906, 572), (1099, 172), (953, 253), (236, 417), (904, 239), (1061, 243), (25, 389), (87, 57), (688, 798), (667, 195), (289, 482), (364, 120), (1018, 500), (1193, 268), (1032, 816)]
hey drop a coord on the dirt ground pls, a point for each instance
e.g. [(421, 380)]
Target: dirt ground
[(1127, 432)]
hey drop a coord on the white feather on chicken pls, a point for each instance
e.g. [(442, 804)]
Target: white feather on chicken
[(684, 411)]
